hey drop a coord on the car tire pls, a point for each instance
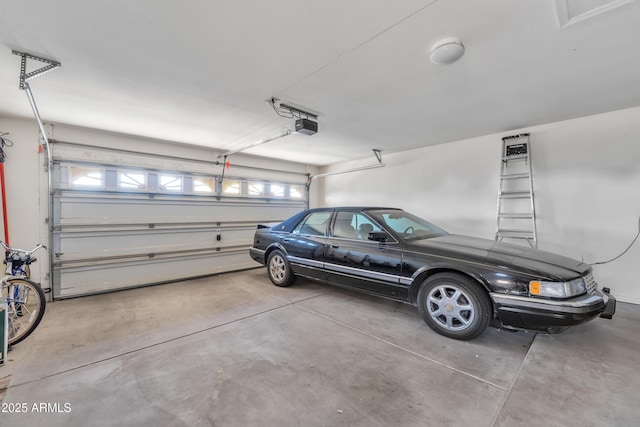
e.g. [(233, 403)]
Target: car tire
[(279, 269), (454, 305)]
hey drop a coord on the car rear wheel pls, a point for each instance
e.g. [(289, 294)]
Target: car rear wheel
[(454, 306), (279, 269)]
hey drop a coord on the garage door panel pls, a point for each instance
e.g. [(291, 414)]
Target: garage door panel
[(96, 278), (94, 210), (77, 246)]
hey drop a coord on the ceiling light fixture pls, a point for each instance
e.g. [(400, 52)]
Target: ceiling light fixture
[(447, 51)]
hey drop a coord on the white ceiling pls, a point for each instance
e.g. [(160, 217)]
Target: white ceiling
[(199, 72)]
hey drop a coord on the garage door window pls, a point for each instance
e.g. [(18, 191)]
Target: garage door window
[(203, 185), (132, 180), (80, 176), (231, 187), (170, 183), (99, 177), (255, 189), (276, 190), (296, 192)]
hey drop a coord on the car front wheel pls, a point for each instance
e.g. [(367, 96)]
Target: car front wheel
[(454, 306), (279, 269)]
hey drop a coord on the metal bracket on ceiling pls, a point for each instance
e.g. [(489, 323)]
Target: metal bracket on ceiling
[(378, 154), (24, 76), (290, 110), (297, 112)]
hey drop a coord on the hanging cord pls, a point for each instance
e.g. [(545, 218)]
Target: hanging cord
[(625, 251), (224, 166), (4, 142)]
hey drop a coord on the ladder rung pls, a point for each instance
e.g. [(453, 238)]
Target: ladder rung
[(515, 176), (523, 234), (516, 157), (515, 194), (516, 215), (517, 237)]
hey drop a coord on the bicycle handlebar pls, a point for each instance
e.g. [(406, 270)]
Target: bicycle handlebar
[(8, 248)]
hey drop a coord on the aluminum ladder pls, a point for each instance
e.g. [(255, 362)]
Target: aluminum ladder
[(516, 218)]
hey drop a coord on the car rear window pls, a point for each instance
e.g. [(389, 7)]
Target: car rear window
[(314, 224)]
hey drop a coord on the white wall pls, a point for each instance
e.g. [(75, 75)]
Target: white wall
[(26, 177), (22, 174), (586, 180)]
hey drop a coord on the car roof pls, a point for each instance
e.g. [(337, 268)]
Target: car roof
[(289, 224)]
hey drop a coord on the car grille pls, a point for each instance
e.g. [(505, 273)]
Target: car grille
[(590, 283)]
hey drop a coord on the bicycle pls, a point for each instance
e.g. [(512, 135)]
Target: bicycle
[(26, 301)]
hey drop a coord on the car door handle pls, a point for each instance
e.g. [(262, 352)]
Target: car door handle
[(285, 240), (335, 246)]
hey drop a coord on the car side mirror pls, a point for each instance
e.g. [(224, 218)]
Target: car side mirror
[(378, 236)]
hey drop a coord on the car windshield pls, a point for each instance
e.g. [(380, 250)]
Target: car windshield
[(406, 225)]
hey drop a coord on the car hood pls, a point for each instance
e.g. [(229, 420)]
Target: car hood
[(505, 255)]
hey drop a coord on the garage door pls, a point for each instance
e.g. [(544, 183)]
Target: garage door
[(124, 219)]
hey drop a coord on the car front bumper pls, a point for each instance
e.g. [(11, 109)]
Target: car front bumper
[(520, 312)]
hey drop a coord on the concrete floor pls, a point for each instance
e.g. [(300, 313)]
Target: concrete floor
[(234, 350)]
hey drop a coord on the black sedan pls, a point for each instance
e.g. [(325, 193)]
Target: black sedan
[(460, 284)]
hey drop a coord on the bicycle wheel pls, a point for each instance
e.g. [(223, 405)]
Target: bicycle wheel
[(26, 303)]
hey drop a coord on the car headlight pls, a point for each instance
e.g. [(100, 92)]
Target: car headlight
[(557, 289)]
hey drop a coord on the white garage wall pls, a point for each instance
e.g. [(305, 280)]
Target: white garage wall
[(26, 178), (22, 171), (586, 180)]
